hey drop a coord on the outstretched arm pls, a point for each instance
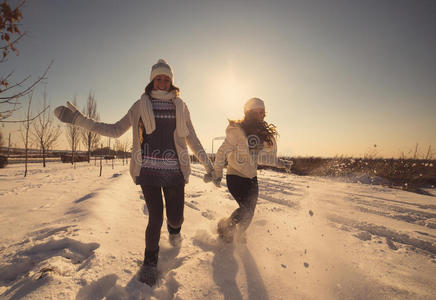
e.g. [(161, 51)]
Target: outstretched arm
[(70, 114), (268, 157), (284, 164)]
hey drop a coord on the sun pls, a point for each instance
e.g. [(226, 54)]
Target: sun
[(232, 91)]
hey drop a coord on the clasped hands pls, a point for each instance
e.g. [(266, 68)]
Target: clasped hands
[(211, 176)]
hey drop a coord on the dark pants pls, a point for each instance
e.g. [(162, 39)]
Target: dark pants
[(245, 191), (174, 204)]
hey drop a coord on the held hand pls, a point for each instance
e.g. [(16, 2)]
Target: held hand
[(217, 181), (207, 177), (67, 114)]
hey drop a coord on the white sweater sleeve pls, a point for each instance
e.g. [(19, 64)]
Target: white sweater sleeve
[(227, 146), (111, 130), (195, 145)]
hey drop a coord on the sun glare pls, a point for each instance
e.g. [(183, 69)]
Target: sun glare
[(232, 91)]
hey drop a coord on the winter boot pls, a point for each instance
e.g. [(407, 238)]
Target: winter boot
[(175, 239), (226, 229), (174, 236), (148, 272)]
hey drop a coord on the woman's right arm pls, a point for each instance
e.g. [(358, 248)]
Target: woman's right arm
[(111, 130), (72, 115)]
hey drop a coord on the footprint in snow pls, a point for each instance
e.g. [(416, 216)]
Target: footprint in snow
[(208, 214), (191, 204), (194, 195), (24, 261)]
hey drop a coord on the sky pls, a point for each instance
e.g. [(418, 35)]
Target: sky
[(338, 77)]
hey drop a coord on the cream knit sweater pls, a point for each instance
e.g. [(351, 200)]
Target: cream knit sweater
[(240, 161), (131, 119)]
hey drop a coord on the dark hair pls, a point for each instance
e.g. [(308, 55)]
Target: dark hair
[(252, 126), (149, 87)]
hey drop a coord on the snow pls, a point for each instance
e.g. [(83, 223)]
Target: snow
[(66, 233)]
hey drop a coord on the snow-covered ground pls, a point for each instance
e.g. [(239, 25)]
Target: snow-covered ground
[(66, 233)]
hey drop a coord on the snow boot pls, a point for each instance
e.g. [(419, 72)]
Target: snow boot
[(175, 239), (148, 273), (174, 236), (226, 229)]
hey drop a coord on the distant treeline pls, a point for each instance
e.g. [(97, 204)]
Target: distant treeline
[(35, 153)]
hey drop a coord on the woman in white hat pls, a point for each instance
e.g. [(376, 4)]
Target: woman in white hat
[(249, 142), (162, 129)]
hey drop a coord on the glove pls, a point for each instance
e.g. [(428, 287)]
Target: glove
[(285, 164), (67, 114), (208, 177), (217, 181), (288, 165)]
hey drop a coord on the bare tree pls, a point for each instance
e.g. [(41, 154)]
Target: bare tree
[(416, 153), (90, 139), (117, 147), (109, 153), (44, 130), (10, 34), (429, 153), (126, 145), (27, 127), (101, 156), (73, 136), (123, 145)]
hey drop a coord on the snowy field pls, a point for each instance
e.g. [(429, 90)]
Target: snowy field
[(66, 233)]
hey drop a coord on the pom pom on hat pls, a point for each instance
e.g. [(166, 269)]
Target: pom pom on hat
[(161, 68), (253, 103)]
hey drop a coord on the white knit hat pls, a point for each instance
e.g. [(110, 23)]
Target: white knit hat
[(161, 68), (253, 103)]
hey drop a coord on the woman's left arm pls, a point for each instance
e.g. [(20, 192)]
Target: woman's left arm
[(195, 145)]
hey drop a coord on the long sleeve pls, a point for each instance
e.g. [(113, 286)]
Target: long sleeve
[(195, 145), (111, 130), (268, 155), (220, 159)]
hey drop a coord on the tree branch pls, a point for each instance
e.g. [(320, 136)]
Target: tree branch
[(22, 121), (28, 89)]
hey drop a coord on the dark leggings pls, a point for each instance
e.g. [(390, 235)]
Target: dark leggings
[(245, 191), (174, 204)]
